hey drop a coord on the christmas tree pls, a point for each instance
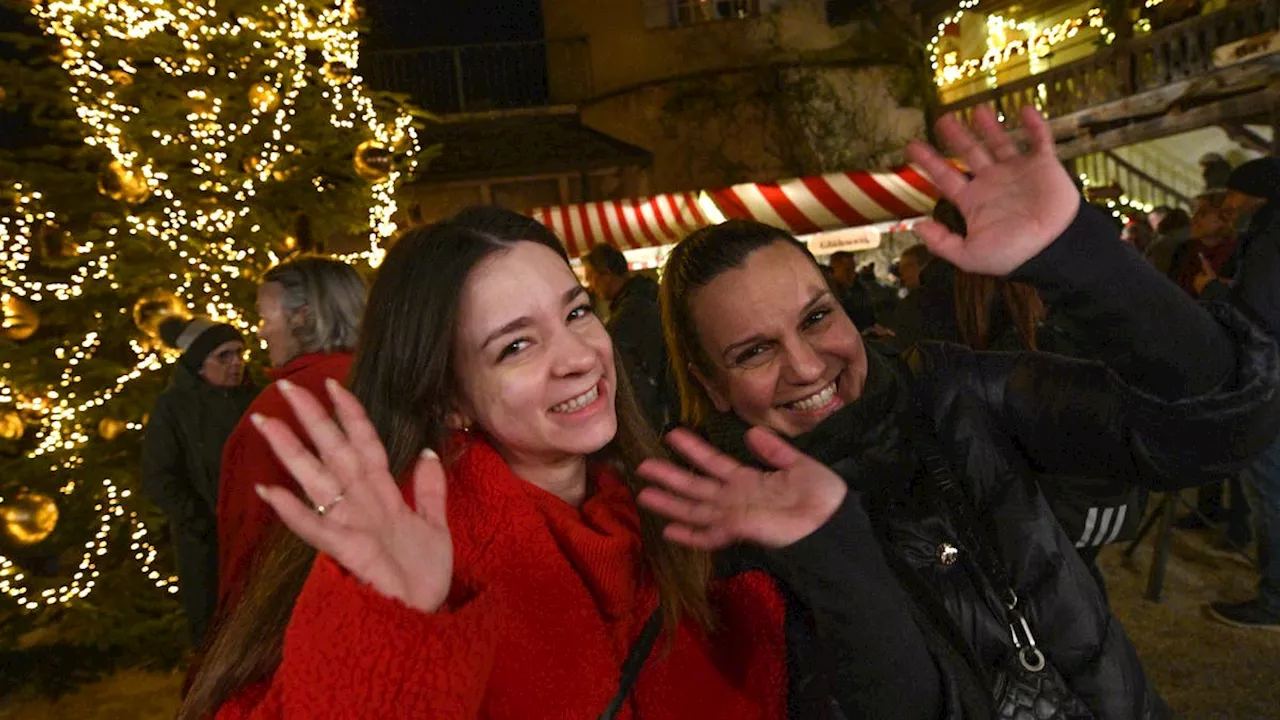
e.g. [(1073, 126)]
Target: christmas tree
[(161, 154)]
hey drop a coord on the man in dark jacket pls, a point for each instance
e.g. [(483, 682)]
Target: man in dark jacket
[(182, 452), (852, 294), (1253, 190), (635, 324)]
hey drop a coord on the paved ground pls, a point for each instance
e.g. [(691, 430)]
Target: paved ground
[(1207, 671)]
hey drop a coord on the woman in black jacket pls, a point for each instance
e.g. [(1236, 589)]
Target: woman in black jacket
[(940, 447)]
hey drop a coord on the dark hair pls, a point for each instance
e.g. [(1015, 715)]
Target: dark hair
[(975, 299), (696, 261), (841, 257), (920, 253), (606, 259), (1174, 220), (403, 375), (1140, 233)]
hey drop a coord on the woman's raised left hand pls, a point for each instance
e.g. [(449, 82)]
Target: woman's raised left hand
[(1015, 205), (736, 503)]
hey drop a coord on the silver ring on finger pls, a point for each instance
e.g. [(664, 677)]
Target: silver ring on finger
[(328, 507)]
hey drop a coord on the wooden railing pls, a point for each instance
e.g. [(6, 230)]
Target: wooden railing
[(1178, 52), (1108, 168), (491, 76)]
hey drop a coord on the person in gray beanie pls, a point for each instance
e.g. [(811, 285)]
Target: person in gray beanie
[(182, 451)]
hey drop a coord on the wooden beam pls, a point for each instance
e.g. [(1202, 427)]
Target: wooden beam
[(1241, 134), (1171, 124), (1225, 81)]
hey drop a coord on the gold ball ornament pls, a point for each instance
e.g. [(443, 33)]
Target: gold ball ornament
[(120, 77), (123, 184), (255, 164), (110, 428), (20, 319), (264, 96), (337, 72), (29, 517), (154, 307), (372, 160), (11, 425)]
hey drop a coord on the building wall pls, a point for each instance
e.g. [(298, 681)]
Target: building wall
[(625, 53), (763, 125), (776, 96)]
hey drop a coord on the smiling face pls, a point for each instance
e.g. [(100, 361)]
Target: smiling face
[(534, 364), (782, 352)]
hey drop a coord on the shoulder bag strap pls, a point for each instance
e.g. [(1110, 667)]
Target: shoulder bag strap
[(635, 661), (981, 546)]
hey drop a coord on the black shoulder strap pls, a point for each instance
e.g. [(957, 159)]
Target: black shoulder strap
[(635, 661)]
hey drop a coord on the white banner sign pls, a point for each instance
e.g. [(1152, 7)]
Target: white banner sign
[(847, 239)]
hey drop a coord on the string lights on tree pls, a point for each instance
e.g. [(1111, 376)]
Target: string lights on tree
[(216, 123)]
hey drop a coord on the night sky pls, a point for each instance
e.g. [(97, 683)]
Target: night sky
[(417, 23)]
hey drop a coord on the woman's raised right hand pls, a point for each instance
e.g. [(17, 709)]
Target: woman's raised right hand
[(360, 517)]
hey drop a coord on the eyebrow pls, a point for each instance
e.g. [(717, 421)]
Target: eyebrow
[(746, 342), (525, 321)]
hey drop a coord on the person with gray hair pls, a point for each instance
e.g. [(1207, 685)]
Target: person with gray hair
[(309, 309)]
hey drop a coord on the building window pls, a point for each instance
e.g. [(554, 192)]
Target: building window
[(683, 13)]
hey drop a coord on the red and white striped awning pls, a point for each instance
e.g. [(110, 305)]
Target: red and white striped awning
[(624, 224), (827, 202)]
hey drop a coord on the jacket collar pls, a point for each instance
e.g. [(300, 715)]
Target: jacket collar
[(309, 360)]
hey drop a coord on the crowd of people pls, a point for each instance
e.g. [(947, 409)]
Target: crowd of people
[(761, 488)]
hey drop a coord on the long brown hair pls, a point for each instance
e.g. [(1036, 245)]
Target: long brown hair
[(975, 299), (404, 376), (976, 296), (696, 261)]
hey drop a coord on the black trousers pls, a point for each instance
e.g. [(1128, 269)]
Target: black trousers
[(197, 555)]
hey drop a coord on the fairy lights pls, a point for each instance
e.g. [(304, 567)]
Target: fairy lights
[(192, 181), (950, 67)]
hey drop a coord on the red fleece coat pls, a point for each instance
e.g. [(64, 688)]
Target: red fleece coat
[(244, 520), (545, 603)]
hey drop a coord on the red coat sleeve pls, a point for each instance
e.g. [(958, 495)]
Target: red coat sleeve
[(351, 652), (244, 520)]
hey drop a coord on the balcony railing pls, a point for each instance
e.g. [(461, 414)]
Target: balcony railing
[(1108, 168), (1128, 67), (492, 76)]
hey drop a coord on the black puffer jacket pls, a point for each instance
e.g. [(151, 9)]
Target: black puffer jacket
[(182, 448), (1178, 402)]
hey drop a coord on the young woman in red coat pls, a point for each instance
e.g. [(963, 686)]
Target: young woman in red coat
[(482, 375)]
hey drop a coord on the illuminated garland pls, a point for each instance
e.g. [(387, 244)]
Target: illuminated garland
[(203, 235), (949, 69), (1122, 206)]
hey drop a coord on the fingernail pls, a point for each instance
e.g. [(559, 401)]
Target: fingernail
[(285, 385), (430, 454), (331, 385), (261, 490), (258, 419)]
